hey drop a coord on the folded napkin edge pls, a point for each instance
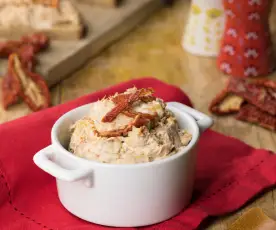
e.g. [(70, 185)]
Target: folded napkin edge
[(264, 163)]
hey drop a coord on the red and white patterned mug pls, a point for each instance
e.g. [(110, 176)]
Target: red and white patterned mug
[(246, 47)]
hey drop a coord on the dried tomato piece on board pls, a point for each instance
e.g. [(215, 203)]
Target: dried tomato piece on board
[(27, 56), (10, 90), (34, 90), (9, 47), (39, 41), (259, 93), (225, 103), (253, 114)]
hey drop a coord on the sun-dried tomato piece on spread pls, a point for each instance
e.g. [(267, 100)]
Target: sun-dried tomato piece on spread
[(123, 102), (137, 122), (259, 93), (130, 112), (226, 103), (145, 96), (110, 116), (140, 121), (10, 90), (34, 90), (116, 132), (251, 113)]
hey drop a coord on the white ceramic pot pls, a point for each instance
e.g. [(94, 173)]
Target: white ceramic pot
[(123, 195), (204, 28)]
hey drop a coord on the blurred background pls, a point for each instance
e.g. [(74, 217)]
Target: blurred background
[(151, 46)]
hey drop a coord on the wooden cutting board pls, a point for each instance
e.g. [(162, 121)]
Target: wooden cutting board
[(104, 26)]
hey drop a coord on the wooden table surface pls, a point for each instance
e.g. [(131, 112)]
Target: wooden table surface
[(153, 49)]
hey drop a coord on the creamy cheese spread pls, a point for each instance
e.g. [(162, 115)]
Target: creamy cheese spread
[(141, 144)]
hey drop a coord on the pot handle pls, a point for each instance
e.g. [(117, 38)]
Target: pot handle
[(43, 160), (204, 122)]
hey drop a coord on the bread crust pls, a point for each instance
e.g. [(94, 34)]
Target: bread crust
[(57, 32)]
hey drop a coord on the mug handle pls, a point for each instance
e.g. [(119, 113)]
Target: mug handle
[(204, 122), (43, 160)]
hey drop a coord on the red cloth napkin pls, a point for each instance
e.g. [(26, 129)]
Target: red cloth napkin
[(229, 172)]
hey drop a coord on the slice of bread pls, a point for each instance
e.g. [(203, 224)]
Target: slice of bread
[(62, 32), (64, 23)]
